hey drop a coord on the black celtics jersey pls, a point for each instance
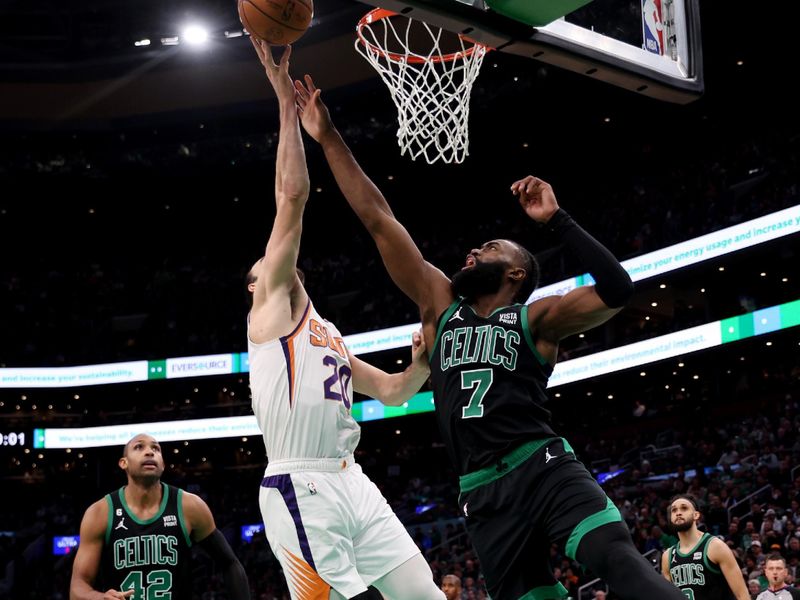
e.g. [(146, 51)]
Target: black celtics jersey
[(152, 557), (488, 384), (696, 576)]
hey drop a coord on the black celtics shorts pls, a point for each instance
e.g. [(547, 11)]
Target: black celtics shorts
[(536, 495)]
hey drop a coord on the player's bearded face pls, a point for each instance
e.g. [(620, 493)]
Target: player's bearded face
[(480, 280), (683, 525)]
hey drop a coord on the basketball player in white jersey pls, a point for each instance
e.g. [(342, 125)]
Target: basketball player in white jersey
[(326, 522)]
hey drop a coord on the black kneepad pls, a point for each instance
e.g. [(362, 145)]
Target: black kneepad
[(370, 594)]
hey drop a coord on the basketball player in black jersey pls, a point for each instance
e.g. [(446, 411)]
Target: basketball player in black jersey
[(701, 565), (135, 542), (491, 355)]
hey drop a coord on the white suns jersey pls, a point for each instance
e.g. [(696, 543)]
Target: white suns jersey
[(303, 392)]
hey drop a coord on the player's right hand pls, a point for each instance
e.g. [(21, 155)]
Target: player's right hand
[(314, 115), (277, 73), (117, 595), (536, 198)]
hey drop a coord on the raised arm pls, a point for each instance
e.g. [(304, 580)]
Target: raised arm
[(204, 532), (392, 389), (426, 285), (556, 317), (276, 275), (87, 560)]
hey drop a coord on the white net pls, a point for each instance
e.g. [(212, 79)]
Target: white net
[(431, 88)]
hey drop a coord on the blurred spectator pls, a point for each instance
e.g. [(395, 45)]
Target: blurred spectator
[(639, 408), (451, 586), (771, 523), (729, 457), (716, 517), (754, 587)]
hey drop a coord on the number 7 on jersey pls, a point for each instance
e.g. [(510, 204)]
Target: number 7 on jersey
[(479, 381)]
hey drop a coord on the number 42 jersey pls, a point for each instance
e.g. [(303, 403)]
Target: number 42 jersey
[(152, 557)]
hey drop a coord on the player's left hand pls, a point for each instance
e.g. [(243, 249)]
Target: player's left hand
[(314, 115), (536, 198)]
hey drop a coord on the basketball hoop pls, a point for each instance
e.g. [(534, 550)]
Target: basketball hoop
[(431, 88)]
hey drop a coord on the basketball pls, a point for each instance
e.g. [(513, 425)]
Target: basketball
[(277, 22)]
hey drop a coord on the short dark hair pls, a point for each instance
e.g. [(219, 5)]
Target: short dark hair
[(692, 500), (532, 273), (776, 556)]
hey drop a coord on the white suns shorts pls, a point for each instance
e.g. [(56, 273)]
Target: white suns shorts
[(330, 527)]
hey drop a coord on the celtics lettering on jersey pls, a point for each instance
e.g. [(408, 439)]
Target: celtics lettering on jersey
[(684, 575), (145, 550), (489, 384), (694, 573), (486, 343), (150, 557)]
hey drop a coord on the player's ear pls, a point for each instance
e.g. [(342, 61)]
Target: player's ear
[(123, 463), (517, 274)]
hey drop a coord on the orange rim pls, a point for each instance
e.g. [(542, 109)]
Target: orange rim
[(377, 14)]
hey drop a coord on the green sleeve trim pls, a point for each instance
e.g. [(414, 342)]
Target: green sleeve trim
[(446, 315), (610, 514), (110, 517), (547, 592), (711, 566), (181, 519), (526, 331)]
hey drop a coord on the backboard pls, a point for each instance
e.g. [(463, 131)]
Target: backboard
[(650, 47)]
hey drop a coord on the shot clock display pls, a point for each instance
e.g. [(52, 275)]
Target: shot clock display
[(15, 438)]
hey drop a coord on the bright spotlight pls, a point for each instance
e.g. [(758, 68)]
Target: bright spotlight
[(195, 35)]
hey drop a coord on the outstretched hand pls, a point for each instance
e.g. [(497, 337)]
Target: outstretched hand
[(536, 198), (277, 73), (314, 115)]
